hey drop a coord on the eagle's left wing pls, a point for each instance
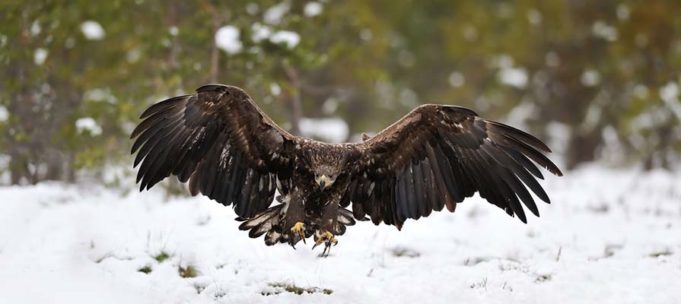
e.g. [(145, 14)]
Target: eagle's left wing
[(219, 140), (438, 155)]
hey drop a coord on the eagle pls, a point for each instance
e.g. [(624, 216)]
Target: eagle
[(432, 158)]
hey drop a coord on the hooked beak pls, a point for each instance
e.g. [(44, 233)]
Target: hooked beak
[(324, 182)]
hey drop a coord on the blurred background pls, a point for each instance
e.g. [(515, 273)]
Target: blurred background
[(598, 80)]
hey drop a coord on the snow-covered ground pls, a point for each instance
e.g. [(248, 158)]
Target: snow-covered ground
[(610, 236)]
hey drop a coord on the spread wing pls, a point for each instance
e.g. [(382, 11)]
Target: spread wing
[(220, 141), (437, 156)]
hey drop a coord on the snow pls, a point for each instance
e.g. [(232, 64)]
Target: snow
[(275, 14), (35, 28), (313, 9), (4, 114), (275, 89), (603, 30), (289, 38), (623, 12), (92, 30), (260, 32), (534, 17), (670, 92), (39, 56), (515, 77), (88, 124), (508, 74), (609, 236), (670, 95), (590, 78), (227, 39), (334, 130), (100, 95), (456, 79)]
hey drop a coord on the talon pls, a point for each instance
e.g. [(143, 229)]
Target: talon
[(328, 239), (327, 250), (299, 229)]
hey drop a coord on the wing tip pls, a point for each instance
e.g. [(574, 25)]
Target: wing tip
[(212, 87), (551, 167)]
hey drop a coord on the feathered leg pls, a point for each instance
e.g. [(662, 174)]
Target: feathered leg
[(294, 218), (329, 226)]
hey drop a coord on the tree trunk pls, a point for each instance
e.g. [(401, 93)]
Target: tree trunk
[(294, 102), (214, 51), (582, 148)]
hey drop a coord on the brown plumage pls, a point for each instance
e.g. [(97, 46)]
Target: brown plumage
[(432, 158)]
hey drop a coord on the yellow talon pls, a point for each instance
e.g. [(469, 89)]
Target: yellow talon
[(299, 229), (327, 237)]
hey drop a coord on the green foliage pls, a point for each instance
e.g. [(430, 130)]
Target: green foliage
[(279, 287), (594, 68), (162, 256), (187, 272), (146, 269)]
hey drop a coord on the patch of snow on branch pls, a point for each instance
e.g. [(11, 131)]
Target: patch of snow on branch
[(92, 30), (603, 30), (623, 11), (670, 92), (534, 17), (275, 14), (334, 130), (260, 32), (39, 56), (515, 77), (670, 95), (88, 124), (275, 89), (4, 114), (227, 39), (590, 78), (312, 9), (100, 95), (456, 79), (291, 39)]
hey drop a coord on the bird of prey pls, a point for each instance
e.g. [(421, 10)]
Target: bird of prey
[(434, 157)]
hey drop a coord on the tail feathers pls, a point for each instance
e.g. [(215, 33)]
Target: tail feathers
[(345, 218), (263, 222), (270, 223)]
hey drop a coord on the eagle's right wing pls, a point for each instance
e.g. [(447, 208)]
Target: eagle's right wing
[(219, 140), (437, 156)]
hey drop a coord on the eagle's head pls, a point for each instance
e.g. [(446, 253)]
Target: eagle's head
[(325, 176)]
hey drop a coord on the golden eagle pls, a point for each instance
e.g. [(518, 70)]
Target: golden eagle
[(434, 157)]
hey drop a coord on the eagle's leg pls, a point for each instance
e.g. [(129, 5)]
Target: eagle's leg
[(294, 217), (329, 221)]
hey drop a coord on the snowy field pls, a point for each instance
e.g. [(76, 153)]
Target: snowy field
[(610, 236)]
